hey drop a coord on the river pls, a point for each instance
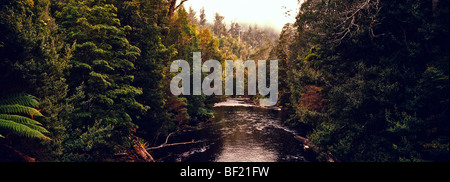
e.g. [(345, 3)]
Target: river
[(240, 132)]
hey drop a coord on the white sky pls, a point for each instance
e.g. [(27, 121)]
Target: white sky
[(262, 12)]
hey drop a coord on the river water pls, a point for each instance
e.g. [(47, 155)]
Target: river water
[(240, 132)]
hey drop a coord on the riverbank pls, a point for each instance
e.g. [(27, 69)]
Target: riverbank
[(309, 146)]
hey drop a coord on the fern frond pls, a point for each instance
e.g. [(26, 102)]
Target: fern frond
[(20, 129), (19, 109), (33, 124), (19, 119), (19, 98)]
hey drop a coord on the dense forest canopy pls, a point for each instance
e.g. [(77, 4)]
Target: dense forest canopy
[(370, 78), (88, 80), (100, 72)]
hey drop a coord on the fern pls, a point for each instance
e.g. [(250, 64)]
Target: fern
[(19, 109), (20, 129), (17, 114), (33, 124), (20, 98), (19, 119)]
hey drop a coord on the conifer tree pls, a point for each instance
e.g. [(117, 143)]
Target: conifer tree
[(150, 24), (102, 74), (202, 16)]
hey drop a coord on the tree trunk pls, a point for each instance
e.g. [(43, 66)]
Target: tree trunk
[(172, 4), (143, 154)]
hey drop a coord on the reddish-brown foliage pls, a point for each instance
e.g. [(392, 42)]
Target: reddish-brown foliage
[(311, 98)]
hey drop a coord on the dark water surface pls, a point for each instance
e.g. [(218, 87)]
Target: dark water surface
[(240, 133)]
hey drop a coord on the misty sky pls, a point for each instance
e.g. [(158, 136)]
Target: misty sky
[(262, 12)]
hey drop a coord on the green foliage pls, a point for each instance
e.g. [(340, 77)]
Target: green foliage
[(90, 143), (99, 70), (149, 25), (382, 67), (368, 79), (101, 75), (13, 120), (33, 59), (183, 35), (20, 99), (19, 109)]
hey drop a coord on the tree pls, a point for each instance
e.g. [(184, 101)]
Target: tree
[(281, 52), (235, 30), (219, 28), (148, 32), (202, 21), (192, 16), (102, 74)]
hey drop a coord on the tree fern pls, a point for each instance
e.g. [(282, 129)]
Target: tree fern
[(19, 109), (33, 124), (19, 129), (17, 116), (19, 98)]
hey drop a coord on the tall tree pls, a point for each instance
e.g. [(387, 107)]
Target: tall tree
[(102, 76), (281, 53), (219, 27), (148, 32), (193, 16), (202, 21)]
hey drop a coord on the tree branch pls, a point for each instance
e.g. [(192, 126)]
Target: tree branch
[(349, 22), (167, 138), (181, 3), (173, 144), (173, 6)]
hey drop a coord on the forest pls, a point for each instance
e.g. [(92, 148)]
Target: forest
[(89, 80)]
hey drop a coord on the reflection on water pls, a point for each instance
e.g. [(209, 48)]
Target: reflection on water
[(241, 133), (243, 137)]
